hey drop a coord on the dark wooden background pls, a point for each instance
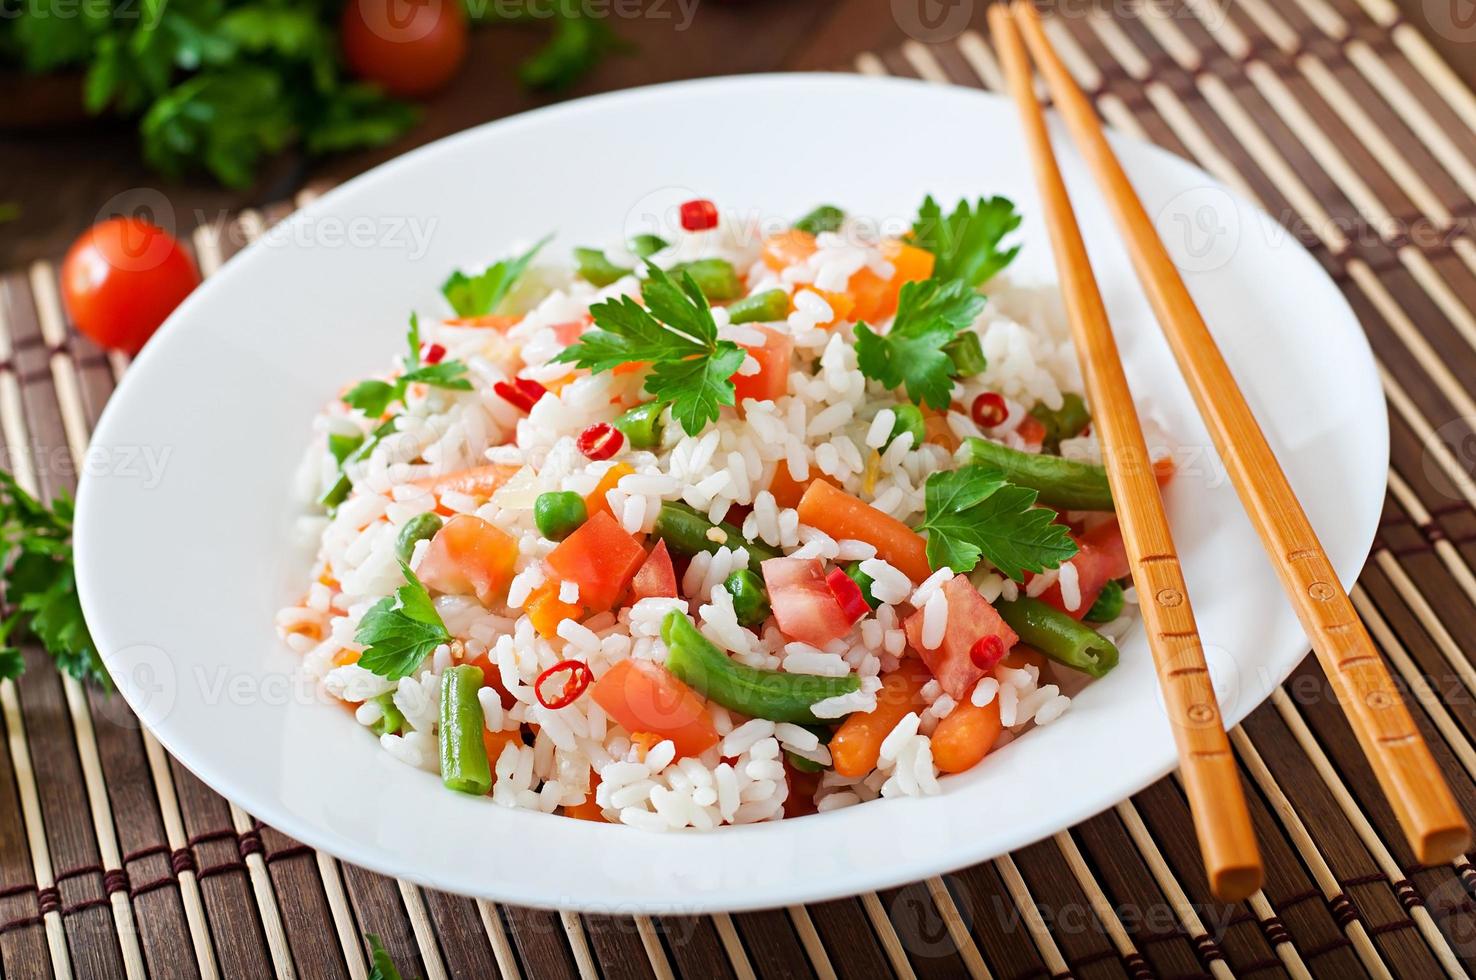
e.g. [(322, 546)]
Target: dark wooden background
[(63, 175)]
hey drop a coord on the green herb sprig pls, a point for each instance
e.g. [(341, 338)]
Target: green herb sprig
[(974, 512)]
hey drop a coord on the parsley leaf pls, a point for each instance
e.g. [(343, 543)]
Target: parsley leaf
[(374, 397), (690, 367), (381, 967), (974, 512), (41, 587), (965, 244), (398, 633), (482, 293), (929, 316)]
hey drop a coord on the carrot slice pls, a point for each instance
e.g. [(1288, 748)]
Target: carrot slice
[(496, 321), (783, 250), (843, 516), (589, 809), (479, 481), (966, 735), (596, 502), (786, 489), (546, 610), (856, 745)]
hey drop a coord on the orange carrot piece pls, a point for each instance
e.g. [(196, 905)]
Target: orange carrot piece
[(596, 502), (589, 809), (843, 516), (783, 250), (495, 742), (856, 745), (787, 490), (965, 736), (479, 481), (546, 610), (910, 262), (496, 321)]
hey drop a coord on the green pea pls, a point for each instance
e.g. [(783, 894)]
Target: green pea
[(391, 721), (417, 528), (863, 582), (765, 307), (559, 513), (750, 601), (596, 269), (1108, 605), (642, 425), (909, 419), (826, 217), (966, 354), (645, 246)]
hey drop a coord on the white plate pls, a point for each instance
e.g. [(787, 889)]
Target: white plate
[(180, 574)]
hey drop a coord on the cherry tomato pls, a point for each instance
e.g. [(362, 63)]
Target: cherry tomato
[(122, 278), (410, 48)]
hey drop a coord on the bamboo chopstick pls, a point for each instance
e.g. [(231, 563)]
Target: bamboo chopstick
[(1410, 778), (1211, 779)]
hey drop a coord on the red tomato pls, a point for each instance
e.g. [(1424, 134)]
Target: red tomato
[(602, 557), (772, 379), (643, 697), (410, 48), (970, 618), (656, 578), (469, 557), (1101, 559), (804, 607), (122, 278)]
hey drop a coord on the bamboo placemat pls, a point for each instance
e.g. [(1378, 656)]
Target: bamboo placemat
[(1339, 118)]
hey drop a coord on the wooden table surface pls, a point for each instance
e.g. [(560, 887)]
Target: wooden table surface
[(63, 177)]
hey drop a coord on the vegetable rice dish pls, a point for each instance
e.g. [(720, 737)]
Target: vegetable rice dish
[(721, 527)]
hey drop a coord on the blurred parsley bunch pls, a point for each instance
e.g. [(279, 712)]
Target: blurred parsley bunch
[(220, 84)]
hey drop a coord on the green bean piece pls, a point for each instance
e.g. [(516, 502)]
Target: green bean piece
[(464, 765), (715, 277), (1058, 636), (863, 582), (645, 246), (686, 532), (597, 270), (340, 447), (416, 529), (909, 419), (391, 721), (1108, 605), (827, 217), (642, 425), (1066, 484), (966, 353), (750, 598), (765, 307), (559, 513), (336, 494), (1066, 422), (693, 659), (800, 764)]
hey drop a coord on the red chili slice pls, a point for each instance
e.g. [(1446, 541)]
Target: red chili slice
[(848, 594), (987, 651), (434, 354), (600, 441), (522, 393), (699, 215), (579, 678), (989, 410)]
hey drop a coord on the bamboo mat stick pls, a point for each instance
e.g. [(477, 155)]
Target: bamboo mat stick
[(1211, 780), (1398, 754)]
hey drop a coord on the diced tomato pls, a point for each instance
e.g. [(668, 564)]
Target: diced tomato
[(772, 379), (787, 248), (546, 610), (1033, 431), (656, 578), (470, 557), (787, 490), (643, 696), (804, 607), (568, 331), (601, 557), (970, 617), (802, 786), (496, 321), (1101, 558), (480, 482), (495, 742), (596, 503), (492, 677)]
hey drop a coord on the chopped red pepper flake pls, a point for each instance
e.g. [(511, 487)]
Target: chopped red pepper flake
[(434, 354), (600, 441), (989, 410), (987, 651), (699, 215), (847, 593), (579, 678), (522, 393)]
